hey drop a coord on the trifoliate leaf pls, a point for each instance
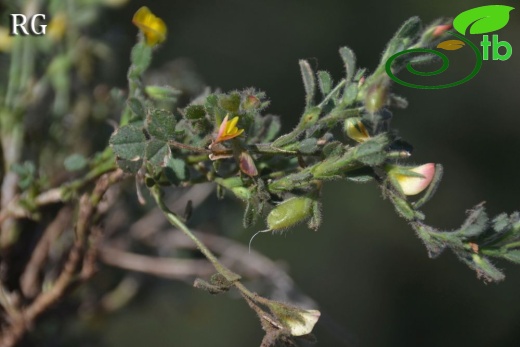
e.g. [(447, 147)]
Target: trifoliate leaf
[(128, 142), (161, 125), (157, 152)]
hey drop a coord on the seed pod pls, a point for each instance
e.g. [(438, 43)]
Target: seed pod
[(289, 213)]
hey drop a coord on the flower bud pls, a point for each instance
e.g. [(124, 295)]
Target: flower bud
[(356, 130), (377, 96), (411, 180), (250, 102), (441, 29)]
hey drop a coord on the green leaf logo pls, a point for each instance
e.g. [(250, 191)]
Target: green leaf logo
[(482, 20)]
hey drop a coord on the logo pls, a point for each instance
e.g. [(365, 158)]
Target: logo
[(479, 20), (18, 25)]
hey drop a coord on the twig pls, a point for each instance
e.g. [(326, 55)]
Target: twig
[(29, 281), (87, 210), (179, 269)]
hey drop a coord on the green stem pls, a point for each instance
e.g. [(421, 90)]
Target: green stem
[(175, 221), (332, 93)]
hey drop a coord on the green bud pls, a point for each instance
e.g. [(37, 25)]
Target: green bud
[(377, 96)]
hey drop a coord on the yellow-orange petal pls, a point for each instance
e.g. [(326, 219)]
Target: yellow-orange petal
[(228, 129)]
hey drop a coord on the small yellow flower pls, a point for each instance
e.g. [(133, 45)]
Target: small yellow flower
[(228, 130), (6, 41), (57, 26), (153, 27)]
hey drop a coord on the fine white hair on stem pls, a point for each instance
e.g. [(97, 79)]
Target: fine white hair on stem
[(252, 237)]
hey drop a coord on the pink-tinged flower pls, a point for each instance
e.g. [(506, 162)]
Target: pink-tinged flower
[(441, 29), (412, 181), (228, 130)]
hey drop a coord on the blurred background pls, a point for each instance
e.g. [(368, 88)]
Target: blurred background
[(371, 277)]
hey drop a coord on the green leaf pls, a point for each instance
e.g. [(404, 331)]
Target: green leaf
[(308, 82), (157, 152), (350, 94), (161, 124), (128, 142), (137, 107), (141, 56), (176, 170), (372, 152), (485, 269), (483, 19), (194, 112), (273, 127), (349, 59), (316, 219), (308, 119), (403, 207), (475, 224), (501, 223), (26, 174), (309, 145), (162, 93), (75, 162), (251, 212), (129, 165), (231, 102), (325, 82), (513, 256), (334, 148), (406, 34)]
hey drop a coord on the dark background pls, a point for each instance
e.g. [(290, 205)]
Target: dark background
[(365, 267)]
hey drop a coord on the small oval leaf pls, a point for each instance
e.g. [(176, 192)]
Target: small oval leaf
[(451, 45), (483, 19)]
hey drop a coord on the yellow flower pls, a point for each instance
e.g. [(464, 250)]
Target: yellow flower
[(228, 130), (6, 41), (356, 130), (57, 26), (153, 27)]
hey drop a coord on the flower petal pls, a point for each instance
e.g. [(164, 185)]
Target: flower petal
[(411, 185)]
